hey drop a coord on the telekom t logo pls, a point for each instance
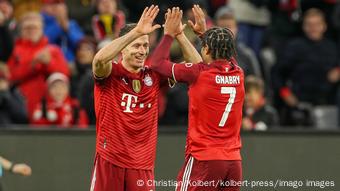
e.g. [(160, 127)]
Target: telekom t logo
[(130, 102)]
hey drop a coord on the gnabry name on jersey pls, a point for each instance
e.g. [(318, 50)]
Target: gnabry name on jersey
[(227, 79)]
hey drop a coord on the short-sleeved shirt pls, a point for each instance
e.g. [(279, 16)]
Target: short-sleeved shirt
[(216, 96), (126, 107)]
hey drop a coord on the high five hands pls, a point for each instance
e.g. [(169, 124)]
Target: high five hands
[(144, 25), (173, 25), (200, 25)]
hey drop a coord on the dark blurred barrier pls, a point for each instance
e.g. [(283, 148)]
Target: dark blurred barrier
[(62, 160)]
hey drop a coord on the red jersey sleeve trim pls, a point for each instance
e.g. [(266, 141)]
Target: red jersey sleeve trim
[(171, 83), (97, 78), (173, 72)]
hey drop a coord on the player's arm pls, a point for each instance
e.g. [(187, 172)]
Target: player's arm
[(160, 61), (102, 65), (22, 169), (6, 164), (189, 51), (172, 27)]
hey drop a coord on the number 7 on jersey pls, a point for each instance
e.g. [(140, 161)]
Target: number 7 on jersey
[(232, 92)]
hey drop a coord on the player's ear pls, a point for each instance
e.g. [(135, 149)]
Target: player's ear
[(206, 50)]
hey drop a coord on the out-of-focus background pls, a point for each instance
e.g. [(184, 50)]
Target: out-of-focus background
[(289, 50)]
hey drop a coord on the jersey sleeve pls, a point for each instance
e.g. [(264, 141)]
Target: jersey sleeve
[(116, 71), (186, 72), (179, 72)]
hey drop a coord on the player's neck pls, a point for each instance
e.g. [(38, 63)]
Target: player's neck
[(130, 68), (208, 59)]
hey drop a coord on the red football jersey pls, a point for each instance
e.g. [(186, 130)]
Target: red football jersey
[(216, 95), (126, 107)]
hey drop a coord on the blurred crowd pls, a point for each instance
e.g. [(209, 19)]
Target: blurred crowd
[(289, 50)]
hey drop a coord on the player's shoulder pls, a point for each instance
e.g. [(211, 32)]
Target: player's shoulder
[(197, 69), (225, 65), (198, 66), (191, 65), (106, 81)]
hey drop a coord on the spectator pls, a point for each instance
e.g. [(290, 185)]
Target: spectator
[(258, 114), (82, 82), (284, 25), (58, 108), (247, 60), (308, 71), (6, 24), (12, 105), (59, 29), (85, 52), (176, 112), (82, 11), (252, 18), (109, 20), (286, 16), (22, 7), (327, 7), (33, 59), (86, 86), (19, 168)]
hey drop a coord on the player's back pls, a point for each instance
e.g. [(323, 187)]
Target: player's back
[(215, 112)]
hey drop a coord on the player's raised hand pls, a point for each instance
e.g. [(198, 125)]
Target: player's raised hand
[(144, 25), (22, 169), (173, 25), (200, 25), (182, 27)]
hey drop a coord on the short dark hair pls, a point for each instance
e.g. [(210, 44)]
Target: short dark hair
[(127, 28), (254, 83), (314, 12), (220, 42)]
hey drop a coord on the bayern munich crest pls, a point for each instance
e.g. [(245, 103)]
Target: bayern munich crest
[(148, 81)]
